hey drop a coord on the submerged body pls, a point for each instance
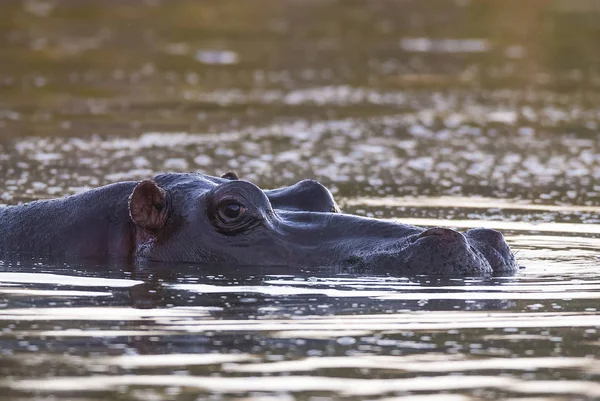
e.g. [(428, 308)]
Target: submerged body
[(222, 220)]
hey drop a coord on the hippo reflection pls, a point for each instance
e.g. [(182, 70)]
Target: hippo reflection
[(223, 220)]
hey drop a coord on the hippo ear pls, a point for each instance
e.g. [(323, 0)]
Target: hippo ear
[(230, 175), (148, 205)]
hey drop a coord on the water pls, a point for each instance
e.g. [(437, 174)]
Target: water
[(462, 114)]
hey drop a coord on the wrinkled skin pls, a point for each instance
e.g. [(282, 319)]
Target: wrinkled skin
[(210, 220)]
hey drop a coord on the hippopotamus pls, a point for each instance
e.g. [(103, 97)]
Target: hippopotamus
[(211, 220)]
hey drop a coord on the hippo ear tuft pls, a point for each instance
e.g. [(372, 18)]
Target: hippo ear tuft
[(230, 175), (148, 205)]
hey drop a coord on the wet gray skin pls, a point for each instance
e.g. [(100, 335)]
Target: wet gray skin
[(209, 220)]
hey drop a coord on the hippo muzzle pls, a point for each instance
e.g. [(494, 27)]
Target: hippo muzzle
[(363, 244)]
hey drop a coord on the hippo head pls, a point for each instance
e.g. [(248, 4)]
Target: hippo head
[(203, 219)]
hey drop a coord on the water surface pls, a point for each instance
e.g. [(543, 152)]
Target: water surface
[(460, 114)]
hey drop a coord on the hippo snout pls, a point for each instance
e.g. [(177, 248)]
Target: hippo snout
[(443, 251), (493, 246), (449, 252)]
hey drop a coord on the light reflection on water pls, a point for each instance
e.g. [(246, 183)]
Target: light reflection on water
[(460, 114)]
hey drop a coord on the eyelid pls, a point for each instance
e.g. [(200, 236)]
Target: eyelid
[(229, 197), (230, 201)]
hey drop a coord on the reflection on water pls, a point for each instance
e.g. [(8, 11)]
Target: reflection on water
[(169, 333), (430, 112)]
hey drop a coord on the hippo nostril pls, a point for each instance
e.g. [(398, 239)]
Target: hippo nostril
[(444, 234)]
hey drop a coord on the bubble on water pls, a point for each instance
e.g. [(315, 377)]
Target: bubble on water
[(178, 164), (38, 186), (141, 162), (203, 160), (506, 116), (224, 57), (429, 45), (346, 341), (43, 157), (515, 51), (421, 163)]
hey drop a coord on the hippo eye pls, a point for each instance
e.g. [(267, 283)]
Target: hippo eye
[(231, 211), (234, 208)]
